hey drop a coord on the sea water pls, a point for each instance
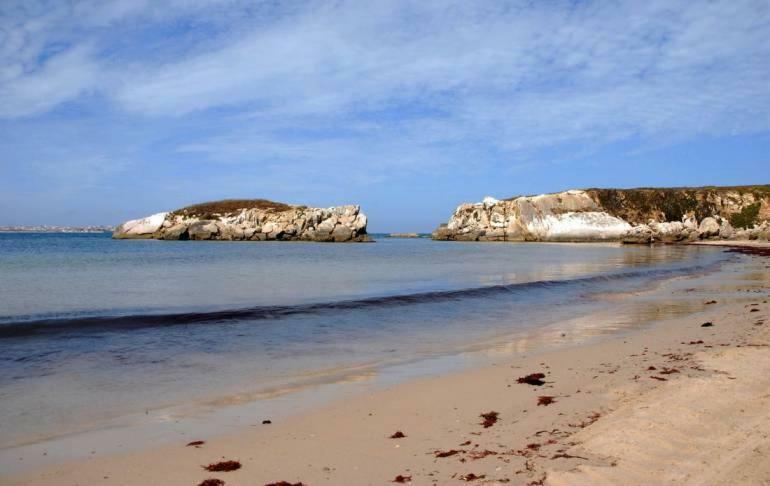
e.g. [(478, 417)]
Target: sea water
[(96, 332)]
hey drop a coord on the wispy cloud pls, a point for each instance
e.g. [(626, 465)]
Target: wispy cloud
[(385, 88)]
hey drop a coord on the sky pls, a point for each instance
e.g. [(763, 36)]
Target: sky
[(116, 109)]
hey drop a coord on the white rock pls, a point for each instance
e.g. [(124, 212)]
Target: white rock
[(137, 228), (708, 227)]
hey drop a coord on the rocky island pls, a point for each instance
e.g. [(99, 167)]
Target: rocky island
[(252, 220), (628, 215)]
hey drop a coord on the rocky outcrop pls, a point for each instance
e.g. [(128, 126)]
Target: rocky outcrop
[(632, 216), (252, 220), (566, 216), (711, 228)]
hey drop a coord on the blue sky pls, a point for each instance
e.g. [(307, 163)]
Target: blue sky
[(114, 109)]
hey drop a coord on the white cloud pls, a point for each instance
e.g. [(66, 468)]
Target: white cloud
[(513, 75)]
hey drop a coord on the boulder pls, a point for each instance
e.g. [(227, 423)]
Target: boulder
[(202, 230), (668, 232), (140, 228), (726, 230), (342, 233), (708, 227), (641, 234), (690, 222), (175, 232)]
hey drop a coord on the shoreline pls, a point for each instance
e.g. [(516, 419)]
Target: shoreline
[(346, 442)]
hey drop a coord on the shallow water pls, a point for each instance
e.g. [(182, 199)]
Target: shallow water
[(98, 333)]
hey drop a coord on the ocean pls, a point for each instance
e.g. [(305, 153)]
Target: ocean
[(101, 334)]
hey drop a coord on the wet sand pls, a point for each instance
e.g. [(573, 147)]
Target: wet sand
[(675, 402)]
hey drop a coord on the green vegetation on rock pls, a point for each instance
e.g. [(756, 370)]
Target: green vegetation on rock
[(747, 218), (213, 209)]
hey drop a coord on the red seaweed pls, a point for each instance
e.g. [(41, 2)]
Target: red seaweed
[(476, 455), (490, 418), (212, 482), (535, 379), (545, 400), (223, 466), (402, 479), (398, 435), (568, 456), (196, 443), (471, 477), (448, 453)]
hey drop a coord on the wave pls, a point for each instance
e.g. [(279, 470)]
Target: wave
[(60, 325)]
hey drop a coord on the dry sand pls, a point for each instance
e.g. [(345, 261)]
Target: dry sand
[(701, 416)]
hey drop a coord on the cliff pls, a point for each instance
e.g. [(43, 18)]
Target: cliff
[(250, 219), (631, 215)]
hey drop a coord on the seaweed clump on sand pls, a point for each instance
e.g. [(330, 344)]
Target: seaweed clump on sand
[(545, 400), (398, 435), (472, 477), (223, 466), (490, 418), (535, 379), (448, 453), (402, 479), (196, 443), (212, 482)]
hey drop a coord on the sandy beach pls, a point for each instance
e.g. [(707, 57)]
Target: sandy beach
[(684, 401)]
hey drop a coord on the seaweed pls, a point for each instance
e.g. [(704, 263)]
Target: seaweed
[(476, 455), (545, 400), (669, 371), (472, 477), (535, 379), (267, 422), (398, 435), (448, 453), (402, 479), (589, 421), (707, 324), (659, 378), (490, 418), (196, 443), (709, 302), (223, 466), (568, 456), (212, 482), (699, 341)]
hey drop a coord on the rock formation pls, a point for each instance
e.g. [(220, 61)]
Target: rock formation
[(254, 220), (567, 216), (631, 215)]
